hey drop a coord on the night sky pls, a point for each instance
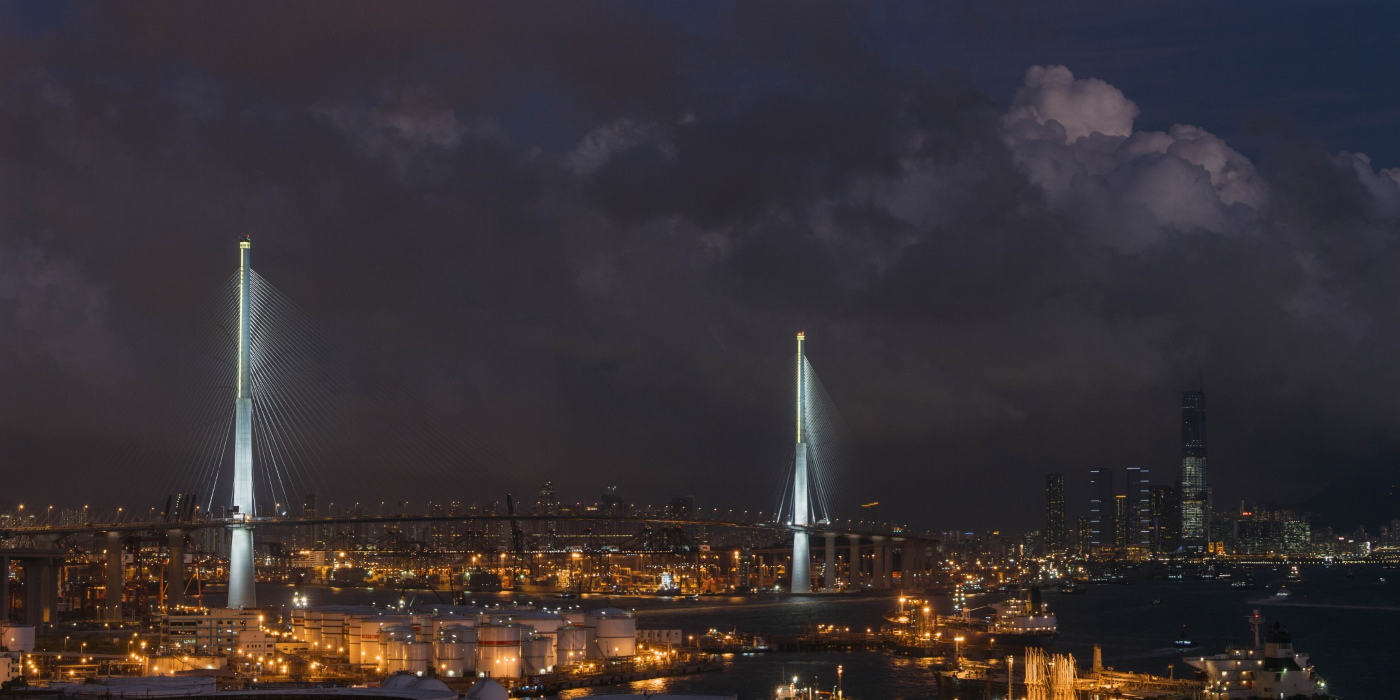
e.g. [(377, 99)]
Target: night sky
[(585, 234)]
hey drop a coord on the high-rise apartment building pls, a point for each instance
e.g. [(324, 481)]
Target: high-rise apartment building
[(1055, 513), (1137, 491), (1195, 498), (1164, 518), (1102, 525), (1118, 510)]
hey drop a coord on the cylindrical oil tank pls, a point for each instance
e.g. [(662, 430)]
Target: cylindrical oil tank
[(417, 656), (313, 629), (298, 622), (614, 634), (450, 654), (535, 651), (397, 637), (432, 627), (371, 653), (499, 617), (570, 645), (333, 632), (353, 626), (498, 650), (456, 650), (540, 621)]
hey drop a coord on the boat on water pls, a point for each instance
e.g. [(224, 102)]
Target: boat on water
[(732, 642), (1071, 588), (1283, 593), (1183, 640), (795, 691), (1023, 621), (1268, 670)]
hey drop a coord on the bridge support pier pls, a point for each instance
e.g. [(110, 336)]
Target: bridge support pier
[(878, 577), (40, 580), (854, 566), (114, 580), (829, 570), (175, 570), (896, 543), (4, 589)]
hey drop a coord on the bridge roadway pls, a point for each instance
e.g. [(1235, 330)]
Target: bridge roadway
[(41, 564), (847, 530)]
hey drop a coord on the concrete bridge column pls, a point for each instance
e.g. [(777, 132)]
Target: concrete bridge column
[(39, 582), (853, 570), (829, 571), (913, 565), (175, 570), (4, 589), (878, 577), (896, 543), (114, 579)]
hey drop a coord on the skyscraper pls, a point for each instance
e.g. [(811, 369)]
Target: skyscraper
[(1136, 489), (1102, 527), (1055, 512), (1164, 518), (1195, 508)]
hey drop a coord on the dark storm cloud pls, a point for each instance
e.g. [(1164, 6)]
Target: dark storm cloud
[(588, 233)]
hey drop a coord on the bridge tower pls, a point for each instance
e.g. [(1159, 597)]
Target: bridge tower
[(241, 593), (801, 543)]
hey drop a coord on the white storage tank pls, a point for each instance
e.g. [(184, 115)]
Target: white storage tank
[(353, 628), (499, 617), (395, 640), (417, 656), (298, 621), (535, 653), (333, 632), (540, 621), (371, 652), (612, 632), (498, 650), (313, 628), (451, 651), (570, 645)]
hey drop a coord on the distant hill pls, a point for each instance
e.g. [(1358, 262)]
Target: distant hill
[(1371, 500)]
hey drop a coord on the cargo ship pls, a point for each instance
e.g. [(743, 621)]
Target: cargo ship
[(1271, 669)]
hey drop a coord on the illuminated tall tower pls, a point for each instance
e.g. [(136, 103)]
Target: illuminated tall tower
[(801, 546), (1055, 513), (1195, 501), (241, 593)]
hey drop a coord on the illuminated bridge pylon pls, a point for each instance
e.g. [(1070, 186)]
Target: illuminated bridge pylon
[(809, 469), (241, 576)]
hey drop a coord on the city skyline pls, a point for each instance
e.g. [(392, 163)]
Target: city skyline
[(588, 243)]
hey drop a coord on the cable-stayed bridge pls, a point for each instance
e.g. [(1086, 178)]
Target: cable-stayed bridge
[(239, 474)]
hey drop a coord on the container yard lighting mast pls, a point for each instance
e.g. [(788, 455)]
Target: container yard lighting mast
[(801, 546), (241, 593)]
